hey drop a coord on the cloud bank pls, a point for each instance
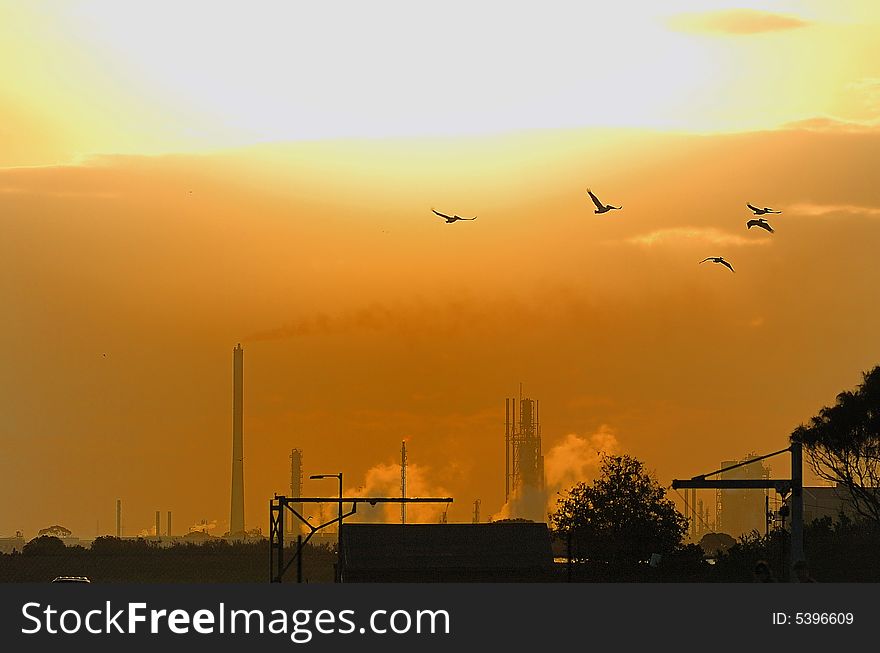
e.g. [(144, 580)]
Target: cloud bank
[(736, 22)]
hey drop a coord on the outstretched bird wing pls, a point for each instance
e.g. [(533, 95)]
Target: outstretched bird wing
[(771, 210), (460, 218), (442, 215), (753, 208), (765, 225), (708, 258), (727, 265), (753, 223), (595, 199)]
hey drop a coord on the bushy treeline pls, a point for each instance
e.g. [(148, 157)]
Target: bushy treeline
[(842, 551), (837, 551), (113, 560)]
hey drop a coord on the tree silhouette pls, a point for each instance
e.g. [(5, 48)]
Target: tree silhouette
[(623, 516), (44, 545), (715, 543), (55, 531), (843, 444)]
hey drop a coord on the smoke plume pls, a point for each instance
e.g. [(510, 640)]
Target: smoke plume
[(383, 480), (574, 460), (203, 526)]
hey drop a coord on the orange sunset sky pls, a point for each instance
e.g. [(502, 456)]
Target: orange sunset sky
[(177, 179)]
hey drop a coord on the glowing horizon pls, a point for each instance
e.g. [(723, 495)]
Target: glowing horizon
[(172, 78)]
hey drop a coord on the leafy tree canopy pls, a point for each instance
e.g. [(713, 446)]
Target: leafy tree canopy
[(623, 515), (842, 443), (44, 545)]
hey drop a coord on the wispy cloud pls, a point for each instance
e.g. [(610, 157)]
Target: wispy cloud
[(834, 125), (813, 210), (11, 190), (869, 89), (735, 22), (756, 322), (710, 235)]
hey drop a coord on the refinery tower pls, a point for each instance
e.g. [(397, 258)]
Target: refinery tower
[(524, 460)]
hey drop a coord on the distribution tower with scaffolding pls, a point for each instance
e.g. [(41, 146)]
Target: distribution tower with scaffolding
[(524, 460), (296, 475)]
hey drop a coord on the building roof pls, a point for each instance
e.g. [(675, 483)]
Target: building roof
[(480, 548)]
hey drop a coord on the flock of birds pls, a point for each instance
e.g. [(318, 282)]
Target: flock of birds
[(604, 208), (754, 222)]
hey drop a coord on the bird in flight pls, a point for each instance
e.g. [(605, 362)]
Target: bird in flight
[(763, 211), (759, 222), (601, 208), (451, 218), (719, 259)]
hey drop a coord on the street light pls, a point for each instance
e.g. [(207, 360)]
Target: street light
[(339, 476)]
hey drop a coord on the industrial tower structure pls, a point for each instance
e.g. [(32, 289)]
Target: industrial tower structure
[(738, 512), (524, 461), (403, 481), (296, 475), (236, 513)]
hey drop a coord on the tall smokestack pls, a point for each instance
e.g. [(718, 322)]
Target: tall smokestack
[(236, 514), (169, 524), (158, 532), (118, 517)]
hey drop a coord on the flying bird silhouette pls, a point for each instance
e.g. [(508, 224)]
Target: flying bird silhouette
[(451, 218), (763, 211), (759, 222), (601, 208), (719, 259)]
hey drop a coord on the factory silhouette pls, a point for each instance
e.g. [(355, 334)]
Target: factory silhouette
[(349, 537)]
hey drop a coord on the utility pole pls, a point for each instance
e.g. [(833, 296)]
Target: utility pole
[(795, 486)]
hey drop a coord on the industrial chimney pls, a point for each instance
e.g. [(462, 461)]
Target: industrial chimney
[(236, 514)]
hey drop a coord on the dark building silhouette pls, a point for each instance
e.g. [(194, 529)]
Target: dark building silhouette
[(830, 502), (494, 552)]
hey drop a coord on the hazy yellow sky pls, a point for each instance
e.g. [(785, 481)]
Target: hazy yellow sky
[(314, 144)]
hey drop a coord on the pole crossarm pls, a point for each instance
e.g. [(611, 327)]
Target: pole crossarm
[(280, 504), (743, 463), (370, 500), (782, 486)]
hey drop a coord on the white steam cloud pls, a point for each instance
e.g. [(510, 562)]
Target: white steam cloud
[(383, 480), (203, 526), (574, 460)]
